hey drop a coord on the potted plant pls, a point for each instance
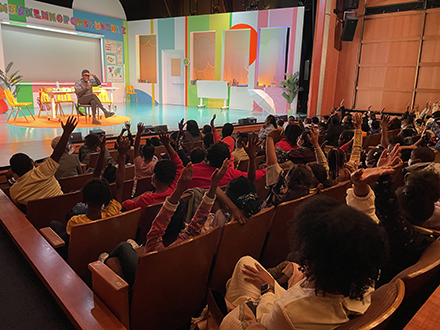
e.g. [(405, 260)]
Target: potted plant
[(11, 81), (291, 88)]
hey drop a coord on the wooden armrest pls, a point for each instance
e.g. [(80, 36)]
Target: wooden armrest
[(52, 237), (112, 290), (427, 231)]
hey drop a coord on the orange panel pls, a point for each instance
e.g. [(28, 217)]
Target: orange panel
[(432, 28), (399, 52), (422, 98), (366, 98), (372, 77), (429, 77), (393, 26), (394, 78), (396, 101), (430, 51)]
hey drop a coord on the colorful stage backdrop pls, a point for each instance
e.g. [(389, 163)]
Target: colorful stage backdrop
[(161, 58)]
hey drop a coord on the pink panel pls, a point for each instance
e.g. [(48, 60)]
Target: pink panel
[(286, 17), (263, 18), (280, 102)]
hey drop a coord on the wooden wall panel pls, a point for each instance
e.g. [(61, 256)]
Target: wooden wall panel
[(429, 77), (393, 26), (423, 97), (396, 101), (401, 52), (376, 3), (365, 98), (430, 51), (389, 78), (432, 26)]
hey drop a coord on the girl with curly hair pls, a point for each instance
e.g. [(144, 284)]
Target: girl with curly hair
[(341, 251)]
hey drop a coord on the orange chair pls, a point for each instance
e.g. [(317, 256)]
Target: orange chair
[(17, 106), (130, 91)]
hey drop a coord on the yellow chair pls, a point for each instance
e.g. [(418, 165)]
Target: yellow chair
[(130, 91), (103, 97), (44, 101), (64, 98), (17, 105)]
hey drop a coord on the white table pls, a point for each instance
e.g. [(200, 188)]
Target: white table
[(52, 95)]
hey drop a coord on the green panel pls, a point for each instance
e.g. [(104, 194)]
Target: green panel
[(165, 34), (195, 23), (25, 93), (17, 18), (127, 67), (218, 23)]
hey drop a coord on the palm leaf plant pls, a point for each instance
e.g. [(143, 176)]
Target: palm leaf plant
[(10, 81), (291, 87)]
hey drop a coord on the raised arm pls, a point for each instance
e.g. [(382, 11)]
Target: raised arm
[(215, 134), (165, 139), (123, 147), (384, 131), (272, 137), (314, 140), (357, 142), (252, 150), (97, 81), (137, 141), (98, 167), (61, 146)]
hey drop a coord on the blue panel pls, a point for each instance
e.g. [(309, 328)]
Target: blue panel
[(165, 34), (142, 97), (91, 28)]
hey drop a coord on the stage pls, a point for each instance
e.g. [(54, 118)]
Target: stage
[(36, 141)]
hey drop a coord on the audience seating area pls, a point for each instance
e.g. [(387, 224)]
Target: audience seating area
[(171, 284)]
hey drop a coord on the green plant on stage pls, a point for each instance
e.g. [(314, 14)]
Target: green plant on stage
[(291, 87), (10, 81)]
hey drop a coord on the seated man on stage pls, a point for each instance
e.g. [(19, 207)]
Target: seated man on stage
[(84, 92)]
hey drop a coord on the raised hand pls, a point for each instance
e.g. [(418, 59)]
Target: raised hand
[(70, 124), (254, 145), (186, 176), (141, 128), (124, 145), (181, 124), (392, 160), (219, 173), (357, 120), (369, 175), (212, 120), (385, 122), (314, 137), (102, 143), (164, 137), (276, 134)]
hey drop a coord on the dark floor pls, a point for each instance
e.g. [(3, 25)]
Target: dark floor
[(24, 300)]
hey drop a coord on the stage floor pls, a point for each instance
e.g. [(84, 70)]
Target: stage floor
[(36, 141)]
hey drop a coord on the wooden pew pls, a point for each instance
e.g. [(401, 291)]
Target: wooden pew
[(84, 309), (276, 248), (371, 140), (238, 241), (169, 288), (143, 185), (421, 279), (338, 192), (41, 212), (427, 318), (89, 240), (74, 183)]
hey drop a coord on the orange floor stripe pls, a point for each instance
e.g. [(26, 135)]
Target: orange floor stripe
[(43, 122)]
